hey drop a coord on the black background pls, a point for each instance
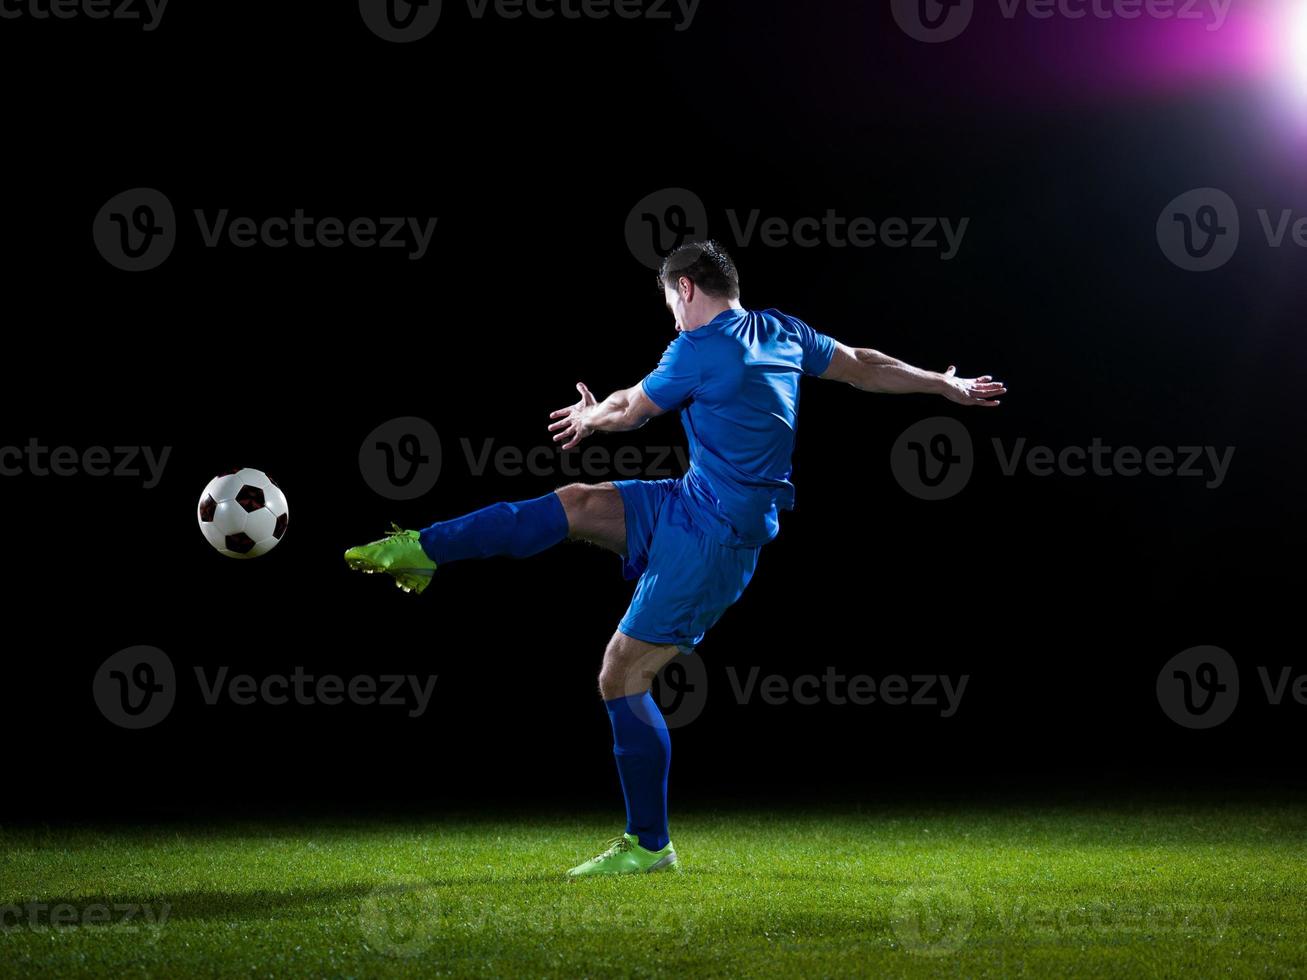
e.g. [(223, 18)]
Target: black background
[(531, 141)]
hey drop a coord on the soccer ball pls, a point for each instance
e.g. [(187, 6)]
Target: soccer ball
[(243, 513)]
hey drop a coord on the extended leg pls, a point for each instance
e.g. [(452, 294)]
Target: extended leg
[(515, 530), (512, 530), (518, 530)]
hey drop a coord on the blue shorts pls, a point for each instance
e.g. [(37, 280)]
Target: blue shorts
[(687, 579)]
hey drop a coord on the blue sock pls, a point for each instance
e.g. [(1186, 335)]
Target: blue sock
[(644, 754), (516, 530)]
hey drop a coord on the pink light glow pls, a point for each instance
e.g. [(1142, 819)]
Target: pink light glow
[(1201, 43)]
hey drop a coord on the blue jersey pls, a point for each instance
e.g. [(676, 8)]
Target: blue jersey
[(736, 381)]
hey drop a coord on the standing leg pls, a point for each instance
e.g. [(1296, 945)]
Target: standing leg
[(641, 745)]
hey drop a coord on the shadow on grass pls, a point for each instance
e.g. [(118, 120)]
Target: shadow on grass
[(227, 906)]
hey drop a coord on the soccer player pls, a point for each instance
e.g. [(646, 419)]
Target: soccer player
[(692, 543)]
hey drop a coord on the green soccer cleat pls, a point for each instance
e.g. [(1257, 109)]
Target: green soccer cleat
[(400, 555), (625, 856)]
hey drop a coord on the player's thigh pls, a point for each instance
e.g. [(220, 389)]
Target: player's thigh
[(630, 665), (595, 513)]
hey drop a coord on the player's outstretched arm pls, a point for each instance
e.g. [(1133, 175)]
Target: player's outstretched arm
[(870, 370), (621, 411)]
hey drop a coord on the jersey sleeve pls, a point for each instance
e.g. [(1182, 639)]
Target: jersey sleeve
[(676, 378), (818, 348)]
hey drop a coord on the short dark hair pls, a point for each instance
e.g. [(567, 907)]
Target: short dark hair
[(705, 264)]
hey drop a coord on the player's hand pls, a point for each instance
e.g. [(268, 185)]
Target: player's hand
[(573, 423), (972, 391)]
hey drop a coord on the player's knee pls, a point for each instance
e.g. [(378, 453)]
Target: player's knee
[(629, 668), (582, 503), (610, 683), (618, 681)]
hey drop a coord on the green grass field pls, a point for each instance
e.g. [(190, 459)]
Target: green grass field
[(1123, 891)]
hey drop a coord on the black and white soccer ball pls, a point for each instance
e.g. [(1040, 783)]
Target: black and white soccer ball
[(243, 514)]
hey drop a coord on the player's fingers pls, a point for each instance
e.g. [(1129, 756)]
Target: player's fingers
[(559, 414), (565, 434), (558, 425), (952, 369)]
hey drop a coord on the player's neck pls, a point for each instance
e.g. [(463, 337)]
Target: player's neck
[(712, 311)]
